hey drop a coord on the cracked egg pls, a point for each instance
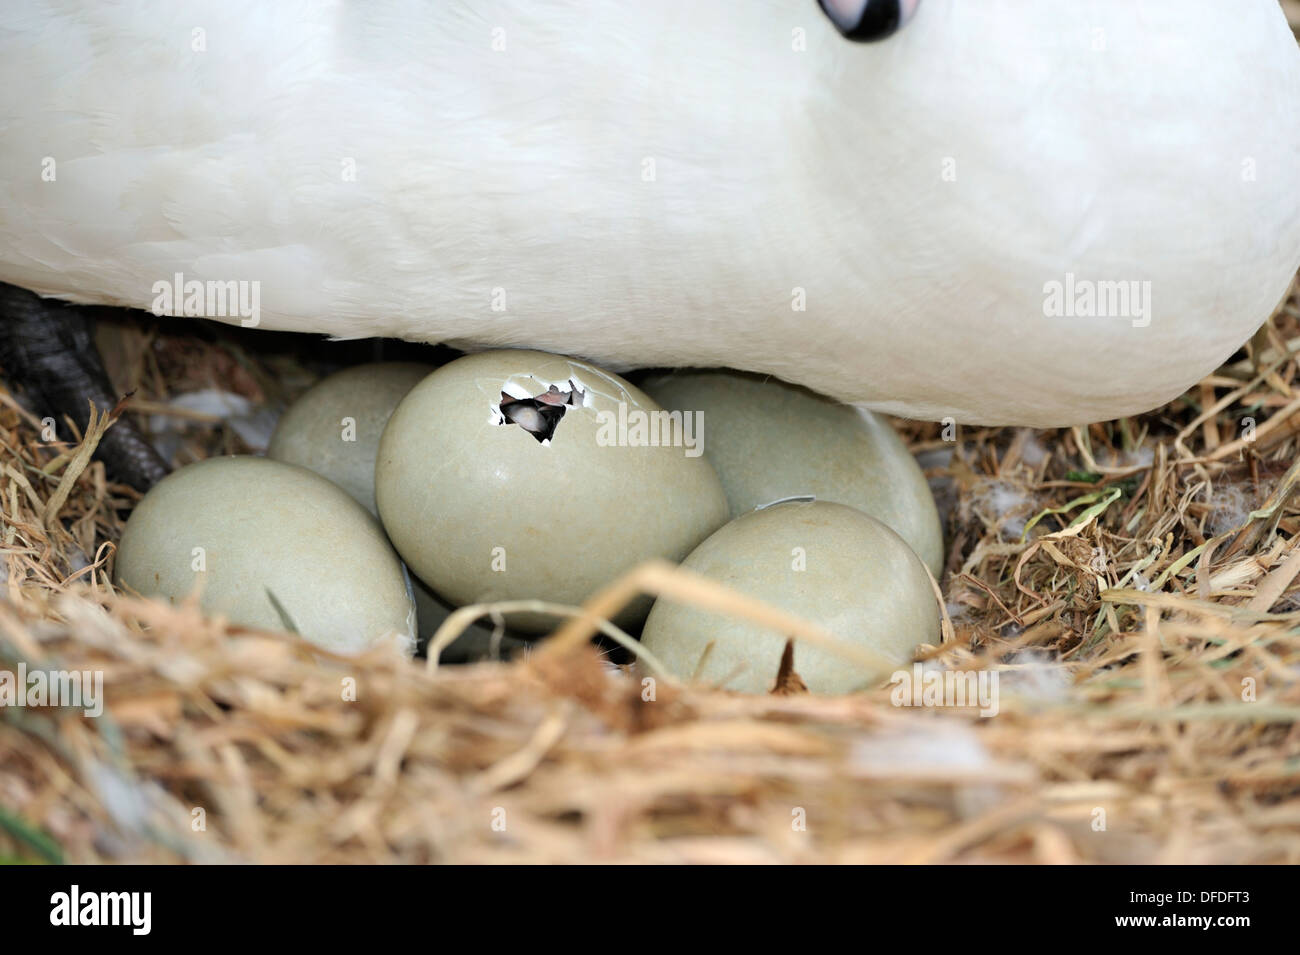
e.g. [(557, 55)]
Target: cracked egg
[(827, 563), (510, 475)]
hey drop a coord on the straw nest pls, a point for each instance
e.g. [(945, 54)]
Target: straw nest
[(1133, 584)]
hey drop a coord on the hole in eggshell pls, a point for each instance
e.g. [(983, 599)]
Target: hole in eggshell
[(541, 414)]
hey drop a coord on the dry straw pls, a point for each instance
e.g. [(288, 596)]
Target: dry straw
[(1133, 584)]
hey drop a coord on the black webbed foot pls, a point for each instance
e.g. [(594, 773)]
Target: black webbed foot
[(47, 347)]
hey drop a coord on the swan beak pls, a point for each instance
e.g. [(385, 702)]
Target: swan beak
[(868, 20)]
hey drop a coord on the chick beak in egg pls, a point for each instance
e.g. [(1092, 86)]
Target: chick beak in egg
[(539, 416)]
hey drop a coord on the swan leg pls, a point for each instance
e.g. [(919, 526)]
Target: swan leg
[(47, 347)]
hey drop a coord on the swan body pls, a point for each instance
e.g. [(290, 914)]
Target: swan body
[(682, 183)]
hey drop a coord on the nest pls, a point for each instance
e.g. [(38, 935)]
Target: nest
[(1134, 585)]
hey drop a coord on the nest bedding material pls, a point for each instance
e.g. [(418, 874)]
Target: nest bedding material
[(1134, 586)]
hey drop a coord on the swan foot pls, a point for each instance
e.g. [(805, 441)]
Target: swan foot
[(46, 347)]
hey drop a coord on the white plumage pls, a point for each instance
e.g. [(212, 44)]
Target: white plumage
[(921, 191)]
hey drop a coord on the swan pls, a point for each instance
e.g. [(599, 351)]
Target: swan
[(1004, 213)]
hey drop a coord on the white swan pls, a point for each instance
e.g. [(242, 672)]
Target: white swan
[(662, 183)]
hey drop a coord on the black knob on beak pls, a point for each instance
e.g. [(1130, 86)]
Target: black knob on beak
[(864, 21)]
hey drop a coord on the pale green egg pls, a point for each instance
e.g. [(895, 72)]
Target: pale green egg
[(770, 440), (826, 563), (271, 546), (334, 428), (514, 475)]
